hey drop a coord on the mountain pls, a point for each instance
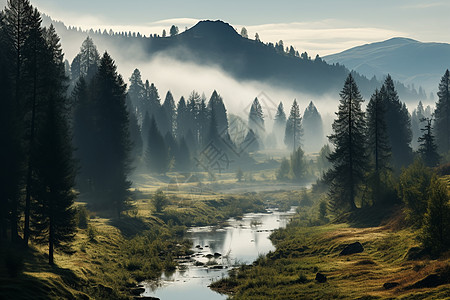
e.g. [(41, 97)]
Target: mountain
[(216, 43), (407, 60)]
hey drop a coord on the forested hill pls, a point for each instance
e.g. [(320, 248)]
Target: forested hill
[(218, 44)]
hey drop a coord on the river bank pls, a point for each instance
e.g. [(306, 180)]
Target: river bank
[(111, 256)]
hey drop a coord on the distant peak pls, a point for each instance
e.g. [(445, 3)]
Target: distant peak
[(212, 28)]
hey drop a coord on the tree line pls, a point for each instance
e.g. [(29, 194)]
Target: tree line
[(371, 163)]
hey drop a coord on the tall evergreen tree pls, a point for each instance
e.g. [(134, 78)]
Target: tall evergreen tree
[(294, 129), (17, 25), (182, 119), (169, 113), (298, 164), (135, 133), (153, 103), (216, 104), (192, 122), (377, 142), (53, 219), (157, 155), (137, 94), (398, 124), (416, 116), (10, 135), (279, 124), (112, 142), (256, 120), (313, 128), (203, 118), (442, 114), (427, 145), (86, 63), (349, 157)]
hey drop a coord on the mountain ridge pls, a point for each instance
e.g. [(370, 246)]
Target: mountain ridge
[(217, 43), (408, 60)]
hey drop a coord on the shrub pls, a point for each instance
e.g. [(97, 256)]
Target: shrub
[(91, 232), (159, 201), (413, 190), (82, 217), (436, 230)]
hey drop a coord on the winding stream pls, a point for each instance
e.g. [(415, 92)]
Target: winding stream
[(241, 241)]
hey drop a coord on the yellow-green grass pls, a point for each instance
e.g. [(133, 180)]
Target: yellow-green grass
[(289, 272)]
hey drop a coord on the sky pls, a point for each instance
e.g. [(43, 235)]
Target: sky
[(319, 27)]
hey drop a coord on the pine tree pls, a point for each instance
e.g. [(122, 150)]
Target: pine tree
[(313, 128), (349, 156), (169, 112), (203, 119), (279, 123), (10, 135), (377, 142), (294, 130), (436, 230), (112, 141), (182, 119), (86, 63), (135, 133), (442, 114), (398, 124), (216, 104), (156, 154), (298, 164), (192, 121), (416, 116), (174, 30), (427, 145), (256, 121), (54, 196), (244, 32), (16, 27), (137, 94), (153, 102)]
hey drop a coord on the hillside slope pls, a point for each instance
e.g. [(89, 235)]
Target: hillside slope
[(217, 44), (407, 60)]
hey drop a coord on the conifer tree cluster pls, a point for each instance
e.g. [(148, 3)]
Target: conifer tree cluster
[(38, 169)]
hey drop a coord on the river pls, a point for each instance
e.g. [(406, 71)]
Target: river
[(241, 241)]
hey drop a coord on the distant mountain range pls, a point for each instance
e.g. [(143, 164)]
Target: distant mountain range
[(407, 60), (218, 44)]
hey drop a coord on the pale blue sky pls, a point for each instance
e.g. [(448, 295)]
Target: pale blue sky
[(323, 26)]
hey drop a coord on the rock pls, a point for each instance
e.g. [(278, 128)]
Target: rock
[(321, 278), (430, 281), (218, 267), (209, 256), (390, 285), (198, 246), (415, 253), (147, 298), (137, 291), (217, 254), (352, 249)]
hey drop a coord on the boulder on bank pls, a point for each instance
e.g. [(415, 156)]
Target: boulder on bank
[(352, 249), (321, 278), (137, 291), (390, 285)]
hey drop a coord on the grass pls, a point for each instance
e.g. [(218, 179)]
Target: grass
[(112, 255), (289, 272)]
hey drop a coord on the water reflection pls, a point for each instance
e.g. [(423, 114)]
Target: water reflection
[(215, 252)]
